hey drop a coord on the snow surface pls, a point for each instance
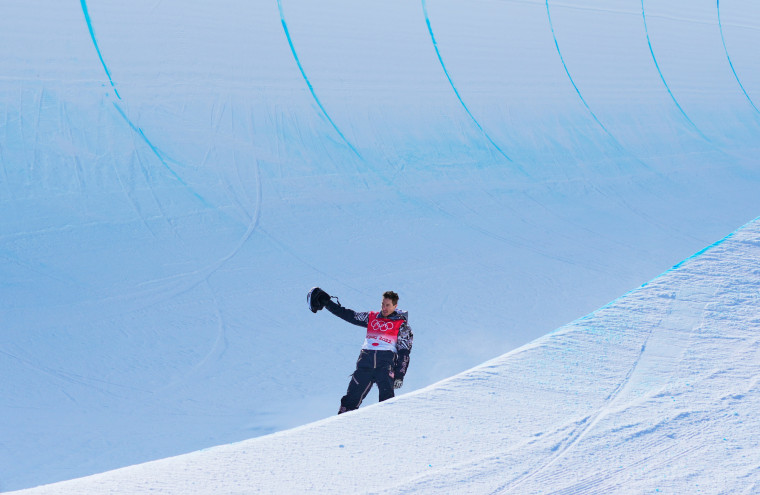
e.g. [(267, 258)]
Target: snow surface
[(175, 176), (657, 391)]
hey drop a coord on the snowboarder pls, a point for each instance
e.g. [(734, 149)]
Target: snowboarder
[(384, 357)]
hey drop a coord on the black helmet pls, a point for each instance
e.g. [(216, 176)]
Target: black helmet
[(316, 299)]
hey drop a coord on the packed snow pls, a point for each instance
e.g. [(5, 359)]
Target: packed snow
[(654, 392), (175, 176)]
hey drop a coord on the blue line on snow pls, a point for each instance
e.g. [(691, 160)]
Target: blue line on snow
[(158, 154), (578, 91), (720, 25), (124, 115), (97, 48), (675, 267), (308, 83), (567, 71), (445, 71), (662, 77)]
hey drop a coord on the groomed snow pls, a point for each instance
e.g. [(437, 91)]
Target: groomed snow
[(175, 176), (655, 392)]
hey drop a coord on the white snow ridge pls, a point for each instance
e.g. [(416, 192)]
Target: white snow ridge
[(175, 176)]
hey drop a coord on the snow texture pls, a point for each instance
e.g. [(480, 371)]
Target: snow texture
[(175, 176), (655, 392)]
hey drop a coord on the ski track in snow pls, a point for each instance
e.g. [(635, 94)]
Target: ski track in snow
[(583, 426), (254, 218), (678, 316), (200, 275), (159, 155)]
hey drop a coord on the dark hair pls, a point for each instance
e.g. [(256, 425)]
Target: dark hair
[(389, 294)]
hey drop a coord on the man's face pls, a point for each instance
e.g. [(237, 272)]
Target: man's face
[(388, 307)]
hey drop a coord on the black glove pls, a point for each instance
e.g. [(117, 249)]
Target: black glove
[(323, 298), (398, 383), (316, 299)]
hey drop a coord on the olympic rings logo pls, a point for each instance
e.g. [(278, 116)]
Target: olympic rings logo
[(380, 326)]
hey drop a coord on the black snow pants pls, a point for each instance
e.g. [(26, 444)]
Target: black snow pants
[(371, 367)]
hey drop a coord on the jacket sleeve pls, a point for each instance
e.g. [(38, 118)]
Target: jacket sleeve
[(349, 315), (404, 346)]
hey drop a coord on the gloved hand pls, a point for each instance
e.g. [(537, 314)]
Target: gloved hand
[(316, 299), (323, 298), (398, 383)]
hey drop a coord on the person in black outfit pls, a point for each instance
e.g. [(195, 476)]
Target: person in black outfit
[(384, 357)]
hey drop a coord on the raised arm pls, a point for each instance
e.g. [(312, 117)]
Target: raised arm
[(349, 315)]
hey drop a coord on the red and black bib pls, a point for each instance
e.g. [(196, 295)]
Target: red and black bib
[(382, 333)]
